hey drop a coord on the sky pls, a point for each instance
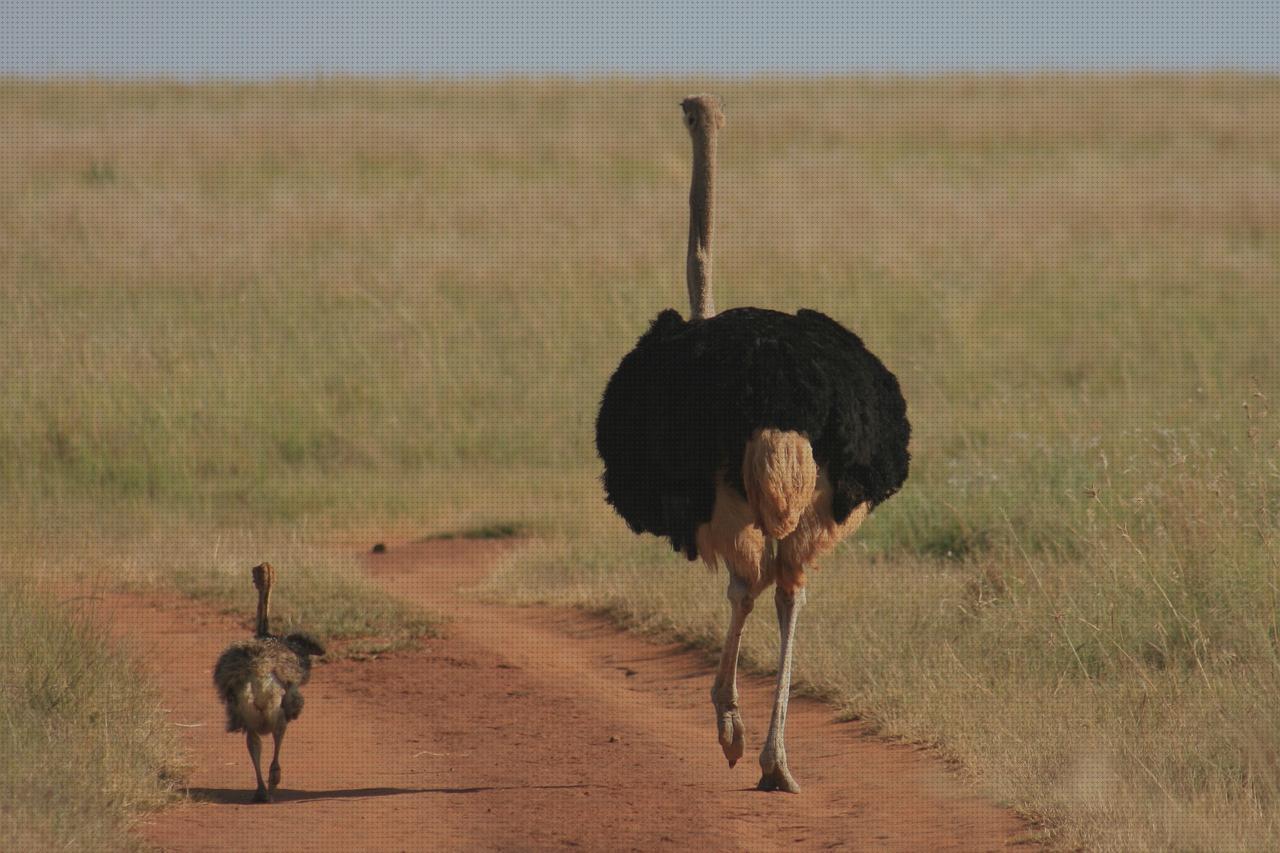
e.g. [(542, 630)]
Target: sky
[(264, 39)]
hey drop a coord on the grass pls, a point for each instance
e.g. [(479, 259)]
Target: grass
[(321, 591), (84, 745), (1119, 694), (321, 588), (248, 319), (495, 530)]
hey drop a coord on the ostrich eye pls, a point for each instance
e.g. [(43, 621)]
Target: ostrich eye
[(690, 119)]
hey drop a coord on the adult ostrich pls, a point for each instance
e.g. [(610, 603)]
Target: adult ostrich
[(754, 437)]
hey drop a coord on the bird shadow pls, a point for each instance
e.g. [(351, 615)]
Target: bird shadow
[(243, 796)]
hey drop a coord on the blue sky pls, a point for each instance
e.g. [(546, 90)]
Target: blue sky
[(264, 39)]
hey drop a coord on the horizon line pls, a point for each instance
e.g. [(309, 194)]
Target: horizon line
[(590, 76)]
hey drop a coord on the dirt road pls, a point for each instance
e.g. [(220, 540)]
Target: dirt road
[(524, 729)]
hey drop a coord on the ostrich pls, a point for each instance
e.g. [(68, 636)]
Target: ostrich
[(259, 680), (754, 437)]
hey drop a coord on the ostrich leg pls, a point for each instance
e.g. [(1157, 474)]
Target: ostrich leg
[(273, 779), (773, 758), (255, 753), (724, 693)]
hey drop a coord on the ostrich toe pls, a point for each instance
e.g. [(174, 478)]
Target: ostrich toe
[(732, 734), (778, 778)]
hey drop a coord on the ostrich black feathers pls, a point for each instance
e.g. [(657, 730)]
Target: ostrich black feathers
[(680, 408)]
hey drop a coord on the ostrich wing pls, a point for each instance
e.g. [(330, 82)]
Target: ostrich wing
[(683, 403)]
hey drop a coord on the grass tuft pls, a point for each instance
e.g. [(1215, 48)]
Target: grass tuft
[(83, 743)]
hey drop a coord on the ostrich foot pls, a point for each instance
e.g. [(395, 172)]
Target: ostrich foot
[(262, 796), (778, 778), (732, 733)]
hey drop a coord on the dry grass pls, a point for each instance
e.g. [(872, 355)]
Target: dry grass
[(1116, 685), (321, 588), (84, 745), (264, 311)]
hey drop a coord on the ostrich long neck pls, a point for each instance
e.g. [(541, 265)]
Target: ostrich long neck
[(698, 265), (264, 602)]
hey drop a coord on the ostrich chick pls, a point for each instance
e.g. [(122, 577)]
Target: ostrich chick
[(259, 681)]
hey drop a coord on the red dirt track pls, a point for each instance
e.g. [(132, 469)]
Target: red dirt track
[(528, 729)]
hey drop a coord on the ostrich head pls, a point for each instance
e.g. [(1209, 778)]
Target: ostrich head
[(702, 114), (264, 576)]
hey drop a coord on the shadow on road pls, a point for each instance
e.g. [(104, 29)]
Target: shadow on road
[(243, 796)]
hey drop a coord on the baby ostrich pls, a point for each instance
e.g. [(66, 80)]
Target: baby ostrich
[(754, 437), (259, 681)]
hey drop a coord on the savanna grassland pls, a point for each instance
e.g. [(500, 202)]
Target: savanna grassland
[(249, 319)]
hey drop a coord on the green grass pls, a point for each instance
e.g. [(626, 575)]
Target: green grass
[(281, 315)]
